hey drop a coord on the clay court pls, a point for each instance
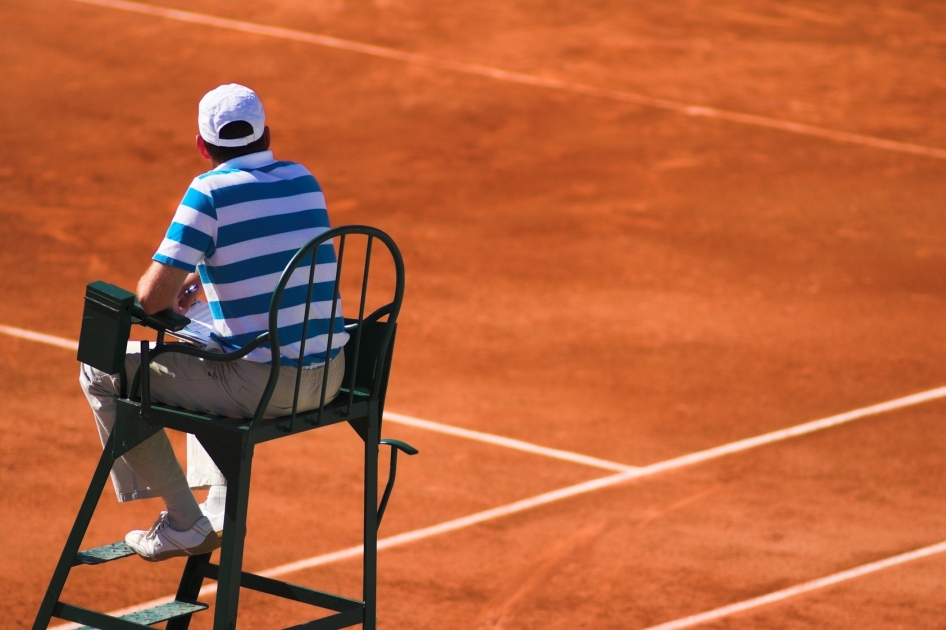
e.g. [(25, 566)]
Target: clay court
[(635, 234)]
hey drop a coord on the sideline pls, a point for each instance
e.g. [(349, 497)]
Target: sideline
[(522, 78), (798, 589), (584, 488)]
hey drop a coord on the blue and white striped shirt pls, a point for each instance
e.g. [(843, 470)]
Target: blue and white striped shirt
[(239, 225)]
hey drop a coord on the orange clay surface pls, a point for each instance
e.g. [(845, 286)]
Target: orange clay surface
[(584, 273)]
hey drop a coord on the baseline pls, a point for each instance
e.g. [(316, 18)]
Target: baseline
[(576, 490), (523, 78), (29, 335), (798, 589)]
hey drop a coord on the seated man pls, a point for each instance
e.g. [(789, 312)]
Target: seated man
[(237, 227)]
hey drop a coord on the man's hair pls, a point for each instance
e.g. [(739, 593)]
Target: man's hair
[(233, 130)]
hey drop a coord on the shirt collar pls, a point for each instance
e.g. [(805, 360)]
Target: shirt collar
[(248, 162)]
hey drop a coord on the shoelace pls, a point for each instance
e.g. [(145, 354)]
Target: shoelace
[(159, 524)]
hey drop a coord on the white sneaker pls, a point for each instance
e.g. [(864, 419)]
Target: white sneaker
[(161, 542), (216, 520)]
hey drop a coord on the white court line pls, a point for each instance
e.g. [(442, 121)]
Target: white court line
[(518, 445), (428, 425), (792, 591), (523, 78), (578, 489), (52, 340)]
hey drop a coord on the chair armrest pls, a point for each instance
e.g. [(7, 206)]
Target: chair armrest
[(396, 445), (161, 321), (399, 445)]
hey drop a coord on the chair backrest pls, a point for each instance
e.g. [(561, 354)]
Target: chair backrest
[(324, 273)]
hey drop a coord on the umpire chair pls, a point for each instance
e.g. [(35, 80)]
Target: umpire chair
[(107, 319)]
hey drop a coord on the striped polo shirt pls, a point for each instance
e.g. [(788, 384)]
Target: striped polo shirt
[(239, 225)]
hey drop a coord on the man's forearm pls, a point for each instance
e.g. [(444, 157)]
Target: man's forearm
[(159, 287)]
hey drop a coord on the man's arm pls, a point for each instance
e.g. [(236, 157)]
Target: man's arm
[(161, 287)]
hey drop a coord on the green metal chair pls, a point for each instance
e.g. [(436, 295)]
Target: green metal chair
[(107, 319)]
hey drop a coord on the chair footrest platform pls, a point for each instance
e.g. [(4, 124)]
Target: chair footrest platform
[(139, 619), (105, 553)]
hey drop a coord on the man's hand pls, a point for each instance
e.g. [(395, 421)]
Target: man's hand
[(161, 286), (188, 293)]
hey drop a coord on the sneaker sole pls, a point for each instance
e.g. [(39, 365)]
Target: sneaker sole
[(210, 543)]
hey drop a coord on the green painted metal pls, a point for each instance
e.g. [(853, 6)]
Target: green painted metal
[(286, 590), (165, 612), (189, 588), (106, 324), (105, 553), (370, 557), (333, 622), (396, 445), (145, 618), (79, 528), (110, 312)]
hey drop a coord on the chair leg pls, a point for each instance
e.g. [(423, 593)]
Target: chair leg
[(231, 553), (189, 589), (370, 569), (79, 528)]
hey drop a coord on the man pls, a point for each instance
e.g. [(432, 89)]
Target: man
[(234, 232)]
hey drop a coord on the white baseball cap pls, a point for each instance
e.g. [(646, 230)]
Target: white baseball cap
[(227, 104)]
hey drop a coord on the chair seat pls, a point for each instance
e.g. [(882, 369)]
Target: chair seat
[(180, 419)]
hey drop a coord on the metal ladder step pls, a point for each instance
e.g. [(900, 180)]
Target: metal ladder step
[(164, 612), (105, 553)]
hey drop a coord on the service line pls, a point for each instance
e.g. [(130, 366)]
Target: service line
[(755, 602), (497, 440), (579, 489), (522, 78)]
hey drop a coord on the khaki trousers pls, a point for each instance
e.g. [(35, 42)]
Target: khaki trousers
[(231, 389)]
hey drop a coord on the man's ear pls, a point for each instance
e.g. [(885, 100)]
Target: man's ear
[(202, 148), (266, 136)]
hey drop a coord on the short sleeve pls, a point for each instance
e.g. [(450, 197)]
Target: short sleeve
[(192, 233)]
